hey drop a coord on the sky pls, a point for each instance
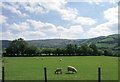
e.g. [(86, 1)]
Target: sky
[(58, 19)]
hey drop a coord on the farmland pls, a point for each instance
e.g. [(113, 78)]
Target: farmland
[(0, 68), (31, 68)]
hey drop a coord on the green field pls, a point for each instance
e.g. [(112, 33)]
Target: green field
[(0, 68), (31, 68)]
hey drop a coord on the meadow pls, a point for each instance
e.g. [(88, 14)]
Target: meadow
[(0, 68), (32, 68)]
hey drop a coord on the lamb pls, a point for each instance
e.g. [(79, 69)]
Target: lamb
[(70, 68), (58, 70)]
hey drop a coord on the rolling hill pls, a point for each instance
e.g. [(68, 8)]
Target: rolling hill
[(102, 42)]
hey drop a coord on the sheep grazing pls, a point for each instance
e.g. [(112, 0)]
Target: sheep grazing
[(60, 59), (58, 70), (70, 68)]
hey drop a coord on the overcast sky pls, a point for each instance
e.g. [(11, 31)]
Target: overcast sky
[(58, 19)]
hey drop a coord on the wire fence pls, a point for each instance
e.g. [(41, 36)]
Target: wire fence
[(45, 76)]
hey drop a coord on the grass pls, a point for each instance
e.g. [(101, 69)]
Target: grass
[(106, 45), (31, 68), (0, 68)]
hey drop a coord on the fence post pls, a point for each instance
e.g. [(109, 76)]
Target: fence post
[(45, 74), (3, 74), (99, 74)]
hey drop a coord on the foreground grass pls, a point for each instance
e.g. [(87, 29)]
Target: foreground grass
[(31, 68), (0, 68)]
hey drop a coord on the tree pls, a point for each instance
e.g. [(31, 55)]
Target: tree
[(31, 49), (17, 46), (108, 52), (100, 52), (63, 51), (94, 48), (75, 49), (58, 51), (79, 51), (85, 50), (47, 51), (71, 49), (21, 47)]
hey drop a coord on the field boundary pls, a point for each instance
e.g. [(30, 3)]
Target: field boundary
[(61, 81)]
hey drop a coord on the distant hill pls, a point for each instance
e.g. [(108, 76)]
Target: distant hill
[(4, 44), (111, 42), (54, 43), (102, 42)]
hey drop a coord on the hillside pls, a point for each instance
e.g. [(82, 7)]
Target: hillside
[(60, 43), (109, 42), (102, 42), (54, 43), (3, 44)]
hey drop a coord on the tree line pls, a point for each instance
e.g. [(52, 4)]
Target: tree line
[(20, 47)]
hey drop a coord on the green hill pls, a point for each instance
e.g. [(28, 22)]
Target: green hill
[(102, 42), (3, 44), (109, 42)]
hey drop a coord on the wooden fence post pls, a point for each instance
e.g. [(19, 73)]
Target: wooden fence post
[(3, 74), (45, 74), (99, 74)]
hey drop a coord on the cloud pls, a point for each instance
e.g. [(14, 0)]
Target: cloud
[(107, 28), (20, 26), (28, 35), (85, 21), (14, 9), (32, 29), (111, 14), (53, 4), (44, 27), (61, 29), (70, 33), (75, 29), (99, 1), (101, 30), (3, 19), (43, 7), (34, 8), (68, 13), (8, 35)]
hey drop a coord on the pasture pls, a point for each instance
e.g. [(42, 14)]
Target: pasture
[(32, 68), (0, 68)]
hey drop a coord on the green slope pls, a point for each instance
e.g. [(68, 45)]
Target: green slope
[(109, 42), (102, 42)]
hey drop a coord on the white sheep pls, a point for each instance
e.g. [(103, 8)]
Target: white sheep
[(58, 70), (60, 59), (70, 68)]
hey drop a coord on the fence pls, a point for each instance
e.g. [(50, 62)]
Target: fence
[(45, 76)]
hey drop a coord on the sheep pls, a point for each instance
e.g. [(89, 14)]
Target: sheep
[(70, 68), (58, 70), (60, 59)]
